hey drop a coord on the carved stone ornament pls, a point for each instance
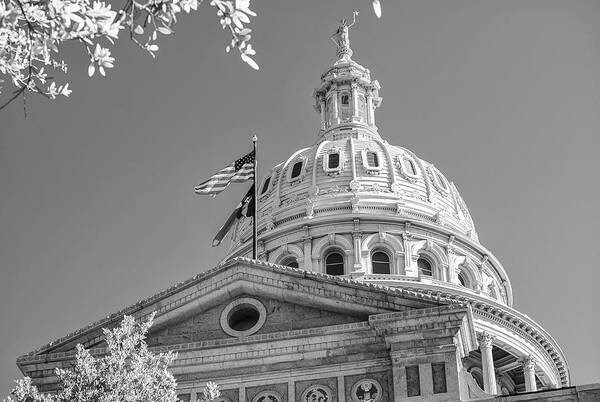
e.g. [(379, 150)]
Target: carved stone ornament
[(317, 393), (354, 202), (396, 188), (400, 164), (366, 391), (485, 339), (529, 362), (310, 208), (354, 186)]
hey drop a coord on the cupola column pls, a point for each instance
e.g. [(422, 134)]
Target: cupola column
[(334, 95), (487, 363), (529, 373), (323, 113), (370, 114)]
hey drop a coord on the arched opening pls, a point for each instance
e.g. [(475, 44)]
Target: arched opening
[(334, 263), (380, 262), (291, 262), (425, 268), (296, 170), (410, 167), (462, 280)]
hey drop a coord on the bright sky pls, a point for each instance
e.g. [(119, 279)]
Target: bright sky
[(97, 208)]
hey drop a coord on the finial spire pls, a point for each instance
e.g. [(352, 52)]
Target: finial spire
[(341, 39)]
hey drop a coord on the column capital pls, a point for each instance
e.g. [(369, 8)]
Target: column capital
[(485, 339), (528, 362)]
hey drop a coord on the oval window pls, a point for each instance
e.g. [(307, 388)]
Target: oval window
[(334, 264), (442, 181), (296, 170), (333, 160), (380, 262), (424, 267)]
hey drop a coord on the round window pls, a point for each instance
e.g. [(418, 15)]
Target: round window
[(243, 317)]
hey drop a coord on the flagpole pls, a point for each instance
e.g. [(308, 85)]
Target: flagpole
[(255, 212)]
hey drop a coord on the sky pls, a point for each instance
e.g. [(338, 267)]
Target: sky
[(97, 207)]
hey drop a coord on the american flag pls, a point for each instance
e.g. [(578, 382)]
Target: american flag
[(239, 171)]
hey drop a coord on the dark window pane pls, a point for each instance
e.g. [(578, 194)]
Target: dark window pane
[(333, 161), (381, 263), (438, 373), (413, 382), (424, 267), (461, 279), (184, 397), (410, 166), (266, 185), (290, 262), (296, 169), (372, 159), (345, 100), (334, 264)]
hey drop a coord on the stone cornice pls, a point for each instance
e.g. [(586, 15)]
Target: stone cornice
[(483, 307)]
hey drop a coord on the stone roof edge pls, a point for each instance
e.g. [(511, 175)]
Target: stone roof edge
[(410, 292), (129, 310)]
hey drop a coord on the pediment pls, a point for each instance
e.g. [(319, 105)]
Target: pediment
[(279, 315), (190, 310)]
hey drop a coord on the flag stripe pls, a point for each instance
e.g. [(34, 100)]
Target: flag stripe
[(239, 171)]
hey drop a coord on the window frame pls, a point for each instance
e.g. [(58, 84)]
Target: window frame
[(365, 161), (337, 170), (404, 171), (290, 169), (389, 261), (327, 254), (431, 265), (267, 184)]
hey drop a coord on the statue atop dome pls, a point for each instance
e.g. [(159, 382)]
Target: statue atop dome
[(341, 39)]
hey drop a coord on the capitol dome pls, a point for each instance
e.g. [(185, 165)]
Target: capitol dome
[(357, 208)]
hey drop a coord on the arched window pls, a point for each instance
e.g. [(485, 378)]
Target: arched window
[(291, 262), (333, 160), (442, 181), (410, 166), (380, 262), (334, 263), (265, 186), (424, 267), (461, 279), (296, 170)]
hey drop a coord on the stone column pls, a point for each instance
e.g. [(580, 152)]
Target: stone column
[(336, 114), (357, 237), (370, 114), (487, 363), (529, 373)]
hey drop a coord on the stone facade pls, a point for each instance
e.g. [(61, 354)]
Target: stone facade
[(371, 286)]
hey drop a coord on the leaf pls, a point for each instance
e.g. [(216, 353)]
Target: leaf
[(377, 8), (250, 61), (164, 30), (91, 70), (153, 48), (139, 30)]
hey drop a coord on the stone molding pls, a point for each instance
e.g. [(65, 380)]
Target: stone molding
[(345, 289)]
